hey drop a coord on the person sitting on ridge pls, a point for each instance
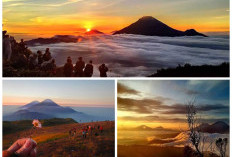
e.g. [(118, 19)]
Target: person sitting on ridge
[(40, 57), (22, 46), (47, 55), (88, 69), (68, 68), (103, 70), (80, 65)]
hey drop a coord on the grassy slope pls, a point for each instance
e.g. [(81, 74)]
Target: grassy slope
[(55, 140), (15, 126)]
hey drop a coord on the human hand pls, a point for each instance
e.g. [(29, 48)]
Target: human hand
[(25, 147)]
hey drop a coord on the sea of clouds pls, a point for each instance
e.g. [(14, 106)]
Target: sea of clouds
[(182, 140), (137, 55)]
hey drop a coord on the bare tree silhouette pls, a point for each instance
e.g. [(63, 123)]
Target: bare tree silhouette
[(221, 146), (193, 121)]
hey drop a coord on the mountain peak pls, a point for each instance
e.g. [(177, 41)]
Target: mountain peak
[(48, 101), (147, 18), (94, 32), (150, 26)]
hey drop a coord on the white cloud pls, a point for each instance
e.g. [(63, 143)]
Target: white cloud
[(134, 55)]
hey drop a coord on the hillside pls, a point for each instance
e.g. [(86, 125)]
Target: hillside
[(187, 70), (15, 126), (55, 140)]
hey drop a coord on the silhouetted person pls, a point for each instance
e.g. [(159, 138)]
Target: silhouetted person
[(80, 65), (47, 55), (4, 34), (51, 67), (68, 68), (7, 51), (22, 46), (33, 61), (103, 70), (89, 69), (40, 57)]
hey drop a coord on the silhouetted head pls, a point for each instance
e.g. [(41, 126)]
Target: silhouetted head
[(4, 32), (103, 65), (80, 58), (39, 52), (22, 40), (53, 61), (69, 60), (47, 49), (90, 61)]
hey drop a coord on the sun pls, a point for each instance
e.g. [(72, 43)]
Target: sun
[(88, 30)]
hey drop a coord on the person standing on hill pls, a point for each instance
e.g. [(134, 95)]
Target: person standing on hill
[(84, 131), (103, 70), (47, 55), (80, 65), (88, 69), (101, 129), (68, 68)]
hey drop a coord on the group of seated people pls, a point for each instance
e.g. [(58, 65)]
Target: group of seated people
[(81, 69), (20, 57)]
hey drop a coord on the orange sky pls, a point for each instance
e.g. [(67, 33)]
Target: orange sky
[(46, 18)]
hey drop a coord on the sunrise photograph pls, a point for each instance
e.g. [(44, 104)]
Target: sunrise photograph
[(120, 38), (59, 118), (173, 118)]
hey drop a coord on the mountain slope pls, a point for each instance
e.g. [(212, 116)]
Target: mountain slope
[(25, 115), (45, 110), (218, 127), (148, 25)]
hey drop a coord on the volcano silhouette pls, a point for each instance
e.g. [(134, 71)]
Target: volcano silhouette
[(150, 26)]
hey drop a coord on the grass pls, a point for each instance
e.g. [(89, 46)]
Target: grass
[(17, 126), (55, 140)]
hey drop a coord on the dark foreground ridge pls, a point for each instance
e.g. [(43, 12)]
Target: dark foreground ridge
[(188, 70), (150, 26)]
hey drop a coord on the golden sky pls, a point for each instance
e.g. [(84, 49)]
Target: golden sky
[(163, 103), (49, 17)]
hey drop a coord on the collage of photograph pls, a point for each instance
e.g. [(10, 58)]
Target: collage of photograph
[(115, 78)]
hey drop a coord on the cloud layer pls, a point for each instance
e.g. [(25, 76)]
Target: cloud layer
[(135, 55)]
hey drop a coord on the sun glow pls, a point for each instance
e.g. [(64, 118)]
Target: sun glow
[(88, 30)]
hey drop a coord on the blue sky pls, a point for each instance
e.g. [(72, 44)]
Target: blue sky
[(164, 101), (68, 92)]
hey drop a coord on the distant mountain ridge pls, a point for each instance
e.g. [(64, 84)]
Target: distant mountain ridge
[(147, 128), (218, 127), (150, 26), (94, 32), (45, 110)]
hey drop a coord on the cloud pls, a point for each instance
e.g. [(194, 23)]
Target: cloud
[(122, 89), (152, 106), (136, 55), (144, 106), (181, 108)]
